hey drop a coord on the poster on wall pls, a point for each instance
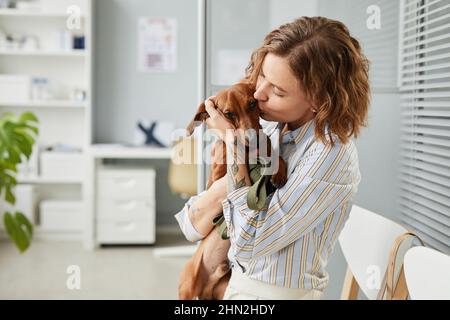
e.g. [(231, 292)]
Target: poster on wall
[(157, 44)]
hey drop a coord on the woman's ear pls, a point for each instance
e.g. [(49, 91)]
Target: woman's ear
[(200, 116)]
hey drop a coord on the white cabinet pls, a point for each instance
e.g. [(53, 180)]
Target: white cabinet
[(37, 74), (61, 215), (125, 205)]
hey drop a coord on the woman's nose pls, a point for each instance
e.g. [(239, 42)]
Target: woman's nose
[(260, 93)]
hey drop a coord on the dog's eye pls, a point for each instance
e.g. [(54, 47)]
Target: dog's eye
[(252, 105), (229, 115)]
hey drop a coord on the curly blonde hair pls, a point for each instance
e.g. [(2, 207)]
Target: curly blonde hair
[(331, 68)]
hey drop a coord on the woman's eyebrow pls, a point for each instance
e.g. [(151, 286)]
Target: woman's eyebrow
[(280, 88)]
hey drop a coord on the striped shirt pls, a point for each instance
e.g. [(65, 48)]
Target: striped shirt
[(289, 244)]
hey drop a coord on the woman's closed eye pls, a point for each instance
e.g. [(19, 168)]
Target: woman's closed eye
[(275, 89), (277, 92)]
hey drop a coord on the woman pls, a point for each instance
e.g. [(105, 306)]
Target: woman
[(312, 79)]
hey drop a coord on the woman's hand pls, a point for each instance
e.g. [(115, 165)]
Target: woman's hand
[(237, 173), (219, 189), (217, 120), (208, 206)]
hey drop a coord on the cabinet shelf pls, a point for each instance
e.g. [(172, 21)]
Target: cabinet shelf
[(76, 53), (57, 104), (43, 180), (32, 13)]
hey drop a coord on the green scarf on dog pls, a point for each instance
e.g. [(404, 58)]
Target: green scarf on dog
[(256, 196)]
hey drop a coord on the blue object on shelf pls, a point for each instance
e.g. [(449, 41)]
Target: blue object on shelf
[(78, 42), (150, 138)]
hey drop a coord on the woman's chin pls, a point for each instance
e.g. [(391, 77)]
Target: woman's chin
[(268, 117)]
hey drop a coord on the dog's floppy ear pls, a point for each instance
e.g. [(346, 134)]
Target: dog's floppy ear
[(201, 115)]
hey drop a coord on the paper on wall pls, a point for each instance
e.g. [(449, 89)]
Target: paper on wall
[(230, 66), (157, 44)]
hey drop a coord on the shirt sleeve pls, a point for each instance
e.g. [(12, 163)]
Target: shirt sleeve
[(185, 223), (322, 181)]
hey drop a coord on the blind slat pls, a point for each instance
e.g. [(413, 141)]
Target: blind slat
[(427, 199), (415, 70), (410, 174), (424, 233), (421, 130), (427, 149), (433, 104), (427, 13), (426, 50), (437, 122), (432, 214), (427, 140), (436, 85), (427, 166), (443, 229), (428, 59), (428, 22), (441, 190), (425, 33), (426, 77)]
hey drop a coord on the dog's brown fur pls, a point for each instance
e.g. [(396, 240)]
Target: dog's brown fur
[(206, 274)]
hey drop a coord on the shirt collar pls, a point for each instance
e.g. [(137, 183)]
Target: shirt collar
[(298, 135)]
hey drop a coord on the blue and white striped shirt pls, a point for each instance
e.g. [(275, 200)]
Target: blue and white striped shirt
[(289, 244)]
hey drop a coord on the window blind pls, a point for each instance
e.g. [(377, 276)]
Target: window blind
[(424, 82)]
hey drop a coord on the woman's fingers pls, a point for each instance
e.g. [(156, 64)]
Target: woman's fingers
[(209, 106)]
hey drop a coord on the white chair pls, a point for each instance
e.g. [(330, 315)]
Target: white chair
[(366, 241), (427, 274)]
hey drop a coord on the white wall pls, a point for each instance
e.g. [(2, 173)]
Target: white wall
[(282, 11)]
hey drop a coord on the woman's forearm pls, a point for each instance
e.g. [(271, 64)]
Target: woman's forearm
[(207, 207)]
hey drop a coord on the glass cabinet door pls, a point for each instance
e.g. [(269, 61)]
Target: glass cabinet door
[(234, 28)]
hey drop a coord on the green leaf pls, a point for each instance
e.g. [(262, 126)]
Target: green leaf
[(28, 116), (18, 230), (9, 196), (23, 221), (17, 137)]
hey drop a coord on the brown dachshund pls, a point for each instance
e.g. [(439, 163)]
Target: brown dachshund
[(206, 274)]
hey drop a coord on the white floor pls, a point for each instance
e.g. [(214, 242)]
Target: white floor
[(106, 273)]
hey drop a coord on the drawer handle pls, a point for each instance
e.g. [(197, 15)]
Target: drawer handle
[(127, 205), (126, 226), (126, 183)]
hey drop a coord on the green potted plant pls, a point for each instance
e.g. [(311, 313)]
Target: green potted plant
[(17, 137)]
